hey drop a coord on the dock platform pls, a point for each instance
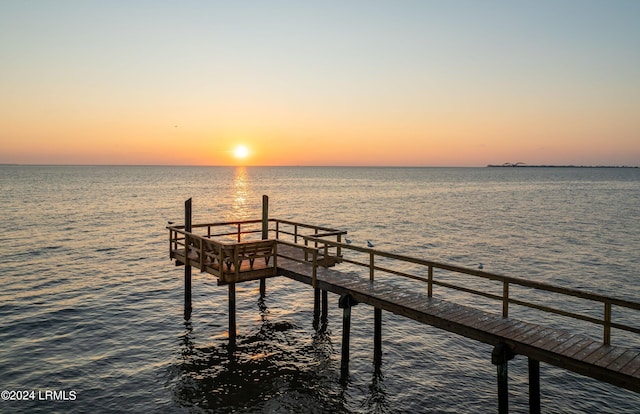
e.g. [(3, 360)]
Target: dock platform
[(240, 251)]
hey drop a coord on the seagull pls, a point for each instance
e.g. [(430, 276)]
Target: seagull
[(369, 244), (480, 266)]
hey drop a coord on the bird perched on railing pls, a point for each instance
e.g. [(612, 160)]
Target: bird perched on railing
[(369, 244)]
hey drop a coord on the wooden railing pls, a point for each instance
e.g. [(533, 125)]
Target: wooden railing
[(296, 231), (229, 243), (321, 244), (505, 298), (239, 229), (224, 260), (300, 233)]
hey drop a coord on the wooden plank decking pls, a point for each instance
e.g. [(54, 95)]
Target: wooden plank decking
[(616, 365)]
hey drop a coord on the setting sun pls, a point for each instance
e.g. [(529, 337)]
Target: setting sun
[(241, 152)]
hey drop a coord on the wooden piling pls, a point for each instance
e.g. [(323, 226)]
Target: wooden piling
[(232, 315), (500, 356), (263, 287), (377, 337), (316, 308), (346, 333), (265, 236), (324, 308), (345, 303), (187, 268), (534, 386), (187, 293)]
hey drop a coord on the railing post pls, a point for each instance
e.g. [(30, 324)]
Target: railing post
[(295, 233), (275, 258), (201, 241), (170, 242), (306, 252), (239, 232), (277, 230), (314, 277), (339, 249), (607, 323), (505, 299), (371, 266), (236, 261), (430, 282)]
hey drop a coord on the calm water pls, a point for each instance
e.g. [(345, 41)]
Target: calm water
[(90, 302)]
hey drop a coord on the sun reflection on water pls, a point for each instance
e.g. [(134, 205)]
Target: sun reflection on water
[(241, 193)]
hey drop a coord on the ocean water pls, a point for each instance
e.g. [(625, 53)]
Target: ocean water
[(91, 305)]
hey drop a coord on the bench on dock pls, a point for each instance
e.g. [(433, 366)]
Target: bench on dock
[(230, 262), (232, 256)]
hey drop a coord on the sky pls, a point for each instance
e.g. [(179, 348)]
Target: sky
[(398, 83)]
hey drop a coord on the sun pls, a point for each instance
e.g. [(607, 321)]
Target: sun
[(241, 152)]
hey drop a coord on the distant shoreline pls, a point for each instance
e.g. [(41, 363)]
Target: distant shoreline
[(519, 165)]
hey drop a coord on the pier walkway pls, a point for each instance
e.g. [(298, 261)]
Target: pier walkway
[(579, 353), (318, 256)]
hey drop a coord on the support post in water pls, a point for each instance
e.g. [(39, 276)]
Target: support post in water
[(377, 337), (534, 386), (500, 356), (325, 308), (265, 236), (345, 303), (232, 315), (187, 268), (316, 308)]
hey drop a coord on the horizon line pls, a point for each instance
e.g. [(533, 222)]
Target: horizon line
[(238, 165), (321, 166)]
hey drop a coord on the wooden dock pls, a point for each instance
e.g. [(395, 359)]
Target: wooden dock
[(317, 256)]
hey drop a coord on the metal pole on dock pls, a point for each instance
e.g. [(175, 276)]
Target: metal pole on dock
[(345, 303), (500, 356), (187, 268), (265, 236)]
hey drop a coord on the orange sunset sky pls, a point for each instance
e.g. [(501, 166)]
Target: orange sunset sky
[(416, 83)]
